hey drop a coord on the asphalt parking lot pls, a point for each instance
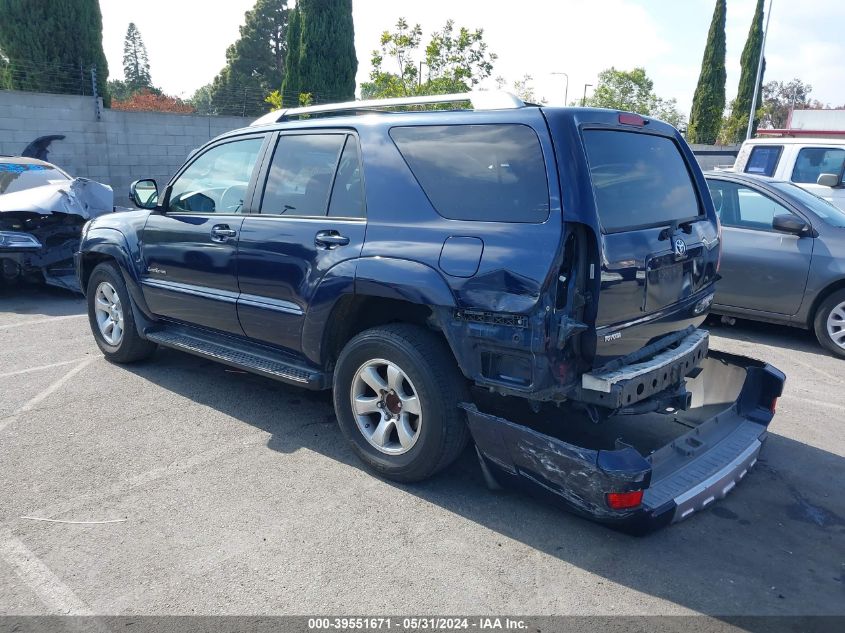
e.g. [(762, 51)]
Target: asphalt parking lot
[(210, 491)]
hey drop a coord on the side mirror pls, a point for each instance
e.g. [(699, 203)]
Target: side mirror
[(828, 180), (792, 224), (144, 193)]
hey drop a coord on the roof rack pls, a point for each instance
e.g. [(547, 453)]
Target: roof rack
[(480, 100)]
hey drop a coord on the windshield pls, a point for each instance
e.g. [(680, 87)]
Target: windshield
[(19, 176), (825, 210)]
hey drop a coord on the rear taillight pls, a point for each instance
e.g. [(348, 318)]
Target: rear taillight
[(631, 119), (624, 500), (774, 405)]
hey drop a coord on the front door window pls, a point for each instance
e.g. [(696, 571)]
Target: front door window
[(218, 180)]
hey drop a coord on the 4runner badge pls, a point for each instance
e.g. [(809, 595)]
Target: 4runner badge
[(612, 337), (680, 247)]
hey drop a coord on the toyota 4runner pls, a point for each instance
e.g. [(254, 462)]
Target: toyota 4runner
[(531, 278)]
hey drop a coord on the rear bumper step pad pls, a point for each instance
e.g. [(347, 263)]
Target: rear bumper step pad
[(732, 408)]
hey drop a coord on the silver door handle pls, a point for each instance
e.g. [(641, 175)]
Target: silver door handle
[(222, 232), (330, 239)]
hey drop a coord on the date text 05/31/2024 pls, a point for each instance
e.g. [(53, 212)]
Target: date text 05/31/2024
[(415, 623)]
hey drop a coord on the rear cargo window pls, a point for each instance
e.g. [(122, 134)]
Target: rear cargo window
[(639, 180), (763, 160), (488, 173)]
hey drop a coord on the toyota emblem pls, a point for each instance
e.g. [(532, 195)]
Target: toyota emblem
[(680, 247)]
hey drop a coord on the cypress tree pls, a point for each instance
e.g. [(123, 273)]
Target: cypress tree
[(326, 63), (52, 44), (708, 104), (292, 84), (750, 60)]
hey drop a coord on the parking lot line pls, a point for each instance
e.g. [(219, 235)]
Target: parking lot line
[(55, 594), (52, 319), (55, 386), (41, 368)]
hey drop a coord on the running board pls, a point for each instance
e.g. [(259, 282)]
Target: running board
[(244, 355)]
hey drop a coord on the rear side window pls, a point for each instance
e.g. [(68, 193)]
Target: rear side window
[(639, 180), (812, 162), (763, 160), (300, 178), (487, 173)]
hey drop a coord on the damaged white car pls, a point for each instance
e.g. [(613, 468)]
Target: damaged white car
[(42, 212)]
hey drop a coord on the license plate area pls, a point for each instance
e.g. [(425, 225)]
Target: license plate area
[(668, 280)]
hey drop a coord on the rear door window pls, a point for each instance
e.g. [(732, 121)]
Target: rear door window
[(488, 173), (763, 160), (812, 162), (301, 173), (639, 180)]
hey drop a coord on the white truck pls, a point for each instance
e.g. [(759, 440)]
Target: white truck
[(815, 164)]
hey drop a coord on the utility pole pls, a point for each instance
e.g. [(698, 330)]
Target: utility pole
[(759, 72), (584, 98), (565, 90)]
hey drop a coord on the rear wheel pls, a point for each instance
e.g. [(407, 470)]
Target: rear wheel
[(396, 394), (830, 323), (110, 316)]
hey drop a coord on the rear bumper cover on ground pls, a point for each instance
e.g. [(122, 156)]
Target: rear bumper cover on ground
[(732, 404)]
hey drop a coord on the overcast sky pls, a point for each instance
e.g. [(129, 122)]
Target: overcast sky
[(187, 39)]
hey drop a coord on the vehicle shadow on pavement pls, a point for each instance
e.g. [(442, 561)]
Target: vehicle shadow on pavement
[(758, 333), (772, 547), (40, 301)]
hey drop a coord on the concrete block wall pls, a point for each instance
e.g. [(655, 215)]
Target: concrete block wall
[(118, 148)]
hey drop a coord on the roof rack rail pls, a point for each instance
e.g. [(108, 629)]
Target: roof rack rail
[(480, 100)]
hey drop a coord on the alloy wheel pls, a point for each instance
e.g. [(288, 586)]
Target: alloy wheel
[(109, 313), (386, 407)]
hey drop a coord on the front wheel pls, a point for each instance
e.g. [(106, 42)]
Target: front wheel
[(830, 323), (110, 316), (396, 395)]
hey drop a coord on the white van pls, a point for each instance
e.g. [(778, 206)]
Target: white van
[(815, 164)]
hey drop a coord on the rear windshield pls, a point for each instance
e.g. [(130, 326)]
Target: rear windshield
[(19, 176), (639, 180), (489, 173), (763, 160)]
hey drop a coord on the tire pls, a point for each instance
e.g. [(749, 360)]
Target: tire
[(830, 323), (106, 283), (430, 373)]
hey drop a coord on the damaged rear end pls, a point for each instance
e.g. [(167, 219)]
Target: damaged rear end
[(631, 418), (642, 471)]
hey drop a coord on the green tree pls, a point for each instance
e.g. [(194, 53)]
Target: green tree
[(203, 100), (737, 124), (633, 91), (47, 43), (254, 63), (708, 104), (453, 61), (136, 63), (779, 98), (322, 60)]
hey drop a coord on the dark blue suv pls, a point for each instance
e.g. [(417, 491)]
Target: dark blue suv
[(439, 269)]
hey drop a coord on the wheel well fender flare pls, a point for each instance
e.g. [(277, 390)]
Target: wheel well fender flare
[(108, 243)]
